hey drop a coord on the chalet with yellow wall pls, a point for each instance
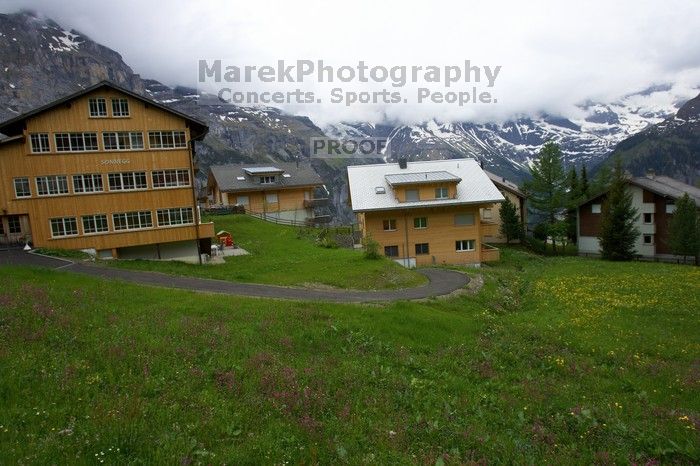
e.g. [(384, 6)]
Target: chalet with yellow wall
[(103, 169), (492, 214), (286, 191), (424, 213)]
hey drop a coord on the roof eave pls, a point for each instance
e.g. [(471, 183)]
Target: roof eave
[(16, 124), (442, 204)]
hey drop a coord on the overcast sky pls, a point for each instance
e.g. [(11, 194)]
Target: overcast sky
[(553, 54)]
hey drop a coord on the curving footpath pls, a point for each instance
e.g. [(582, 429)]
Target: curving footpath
[(441, 282)]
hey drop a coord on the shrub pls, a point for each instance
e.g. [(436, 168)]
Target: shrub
[(371, 247)]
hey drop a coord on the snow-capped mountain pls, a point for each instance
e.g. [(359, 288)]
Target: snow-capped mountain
[(508, 147)]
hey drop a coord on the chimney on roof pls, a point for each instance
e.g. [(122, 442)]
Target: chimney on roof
[(403, 163), (651, 174)]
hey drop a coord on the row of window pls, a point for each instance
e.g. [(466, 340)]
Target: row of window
[(97, 107), (111, 141), (413, 195), (55, 185), (270, 198), (420, 223), (122, 221), (424, 248), (14, 225), (648, 218)]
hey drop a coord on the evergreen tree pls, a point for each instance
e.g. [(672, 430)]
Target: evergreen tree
[(684, 229), (546, 188), (511, 226), (585, 189), (617, 231), (573, 198)]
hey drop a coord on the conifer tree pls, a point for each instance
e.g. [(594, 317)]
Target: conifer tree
[(585, 189), (546, 188), (618, 233), (511, 226), (573, 198), (684, 229)]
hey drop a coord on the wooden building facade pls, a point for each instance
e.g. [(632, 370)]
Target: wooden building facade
[(424, 213), (104, 169)]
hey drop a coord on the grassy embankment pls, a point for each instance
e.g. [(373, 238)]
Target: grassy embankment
[(562, 360)]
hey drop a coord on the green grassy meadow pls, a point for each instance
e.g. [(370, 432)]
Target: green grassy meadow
[(284, 255), (555, 360)]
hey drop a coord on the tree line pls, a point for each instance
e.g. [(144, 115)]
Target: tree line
[(554, 195)]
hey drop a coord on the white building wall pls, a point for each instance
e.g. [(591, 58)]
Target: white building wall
[(591, 245)]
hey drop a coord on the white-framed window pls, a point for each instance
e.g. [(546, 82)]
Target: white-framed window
[(122, 140), (175, 216), (88, 183), (22, 187), (51, 185), (271, 198), (465, 245), (170, 178), (595, 208), (670, 206), (464, 220), (95, 224), (120, 107), (66, 226), (441, 193), (39, 143), (127, 181), (97, 106), (648, 239), (268, 179), (135, 220), (488, 213), (76, 142), (422, 248), (242, 200), (391, 251), (14, 225), (412, 195), (389, 224), (648, 218), (420, 222), (166, 139)]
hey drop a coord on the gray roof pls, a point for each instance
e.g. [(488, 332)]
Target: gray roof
[(16, 125), (396, 179), (501, 182), (474, 188), (227, 176), (665, 186)]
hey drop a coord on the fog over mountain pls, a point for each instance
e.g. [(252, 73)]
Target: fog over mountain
[(555, 56)]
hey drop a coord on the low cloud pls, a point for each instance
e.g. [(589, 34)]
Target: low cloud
[(552, 56)]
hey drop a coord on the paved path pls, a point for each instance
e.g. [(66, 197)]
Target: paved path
[(441, 281)]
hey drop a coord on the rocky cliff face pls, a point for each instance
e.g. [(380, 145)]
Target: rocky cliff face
[(41, 61)]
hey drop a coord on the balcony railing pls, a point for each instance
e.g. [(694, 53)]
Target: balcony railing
[(318, 202)]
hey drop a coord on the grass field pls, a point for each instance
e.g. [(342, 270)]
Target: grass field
[(285, 255), (559, 360)]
